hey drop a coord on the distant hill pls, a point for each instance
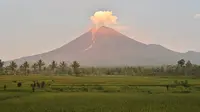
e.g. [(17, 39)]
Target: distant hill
[(112, 48)]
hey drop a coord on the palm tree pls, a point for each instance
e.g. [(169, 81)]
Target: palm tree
[(21, 68), (1, 64), (40, 64), (13, 67), (75, 65), (62, 66), (25, 66), (53, 65), (1, 67), (6, 70), (35, 66)]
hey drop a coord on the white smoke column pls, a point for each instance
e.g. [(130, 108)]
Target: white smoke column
[(101, 18)]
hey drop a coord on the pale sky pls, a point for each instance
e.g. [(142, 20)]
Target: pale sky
[(30, 27)]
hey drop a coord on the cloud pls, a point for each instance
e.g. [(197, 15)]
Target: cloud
[(197, 16)]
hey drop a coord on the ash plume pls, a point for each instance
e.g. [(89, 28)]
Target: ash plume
[(101, 18)]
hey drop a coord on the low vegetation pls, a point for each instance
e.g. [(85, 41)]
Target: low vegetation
[(63, 68), (39, 93), (72, 88)]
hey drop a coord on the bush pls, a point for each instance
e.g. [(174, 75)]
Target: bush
[(61, 89), (4, 87), (14, 81), (38, 84), (98, 87), (185, 84), (181, 83), (19, 84), (176, 82), (43, 84)]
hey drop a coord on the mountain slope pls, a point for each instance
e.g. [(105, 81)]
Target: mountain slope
[(112, 48)]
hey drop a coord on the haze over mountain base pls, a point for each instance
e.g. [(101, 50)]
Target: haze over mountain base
[(112, 48)]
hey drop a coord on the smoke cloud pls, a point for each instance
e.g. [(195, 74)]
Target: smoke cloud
[(102, 18)]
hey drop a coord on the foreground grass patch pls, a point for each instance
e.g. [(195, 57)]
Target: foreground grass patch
[(102, 102), (99, 94)]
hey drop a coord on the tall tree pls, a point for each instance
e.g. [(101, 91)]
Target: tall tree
[(181, 68), (26, 67), (181, 62), (1, 64), (21, 68), (53, 65), (13, 67), (62, 66), (1, 67), (75, 65), (188, 66), (40, 64), (35, 66)]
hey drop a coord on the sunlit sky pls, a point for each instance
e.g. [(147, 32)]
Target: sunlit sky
[(30, 27)]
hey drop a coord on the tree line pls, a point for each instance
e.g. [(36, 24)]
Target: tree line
[(39, 67)]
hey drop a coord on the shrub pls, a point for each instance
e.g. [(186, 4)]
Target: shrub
[(4, 87), (98, 87), (38, 84), (176, 82), (19, 84), (181, 83), (14, 81), (185, 83), (61, 90), (31, 85), (42, 84)]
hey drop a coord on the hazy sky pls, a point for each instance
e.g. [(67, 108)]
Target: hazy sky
[(30, 27)]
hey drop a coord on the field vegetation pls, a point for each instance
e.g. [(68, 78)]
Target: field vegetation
[(71, 88)]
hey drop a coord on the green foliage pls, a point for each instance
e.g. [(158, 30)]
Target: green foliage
[(25, 68), (53, 65), (1, 67), (35, 67), (62, 68), (13, 67), (75, 65), (40, 64), (181, 83), (1, 64), (99, 94), (181, 62), (75, 69), (188, 64)]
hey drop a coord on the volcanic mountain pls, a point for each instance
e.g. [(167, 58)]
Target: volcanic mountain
[(112, 48)]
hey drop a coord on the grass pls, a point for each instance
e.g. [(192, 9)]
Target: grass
[(99, 94)]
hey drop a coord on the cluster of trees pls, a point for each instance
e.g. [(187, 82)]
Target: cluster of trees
[(39, 68), (182, 68)]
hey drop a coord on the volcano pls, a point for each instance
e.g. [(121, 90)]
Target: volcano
[(112, 48)]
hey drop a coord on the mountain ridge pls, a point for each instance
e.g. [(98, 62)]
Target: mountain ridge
[(112, 48)]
